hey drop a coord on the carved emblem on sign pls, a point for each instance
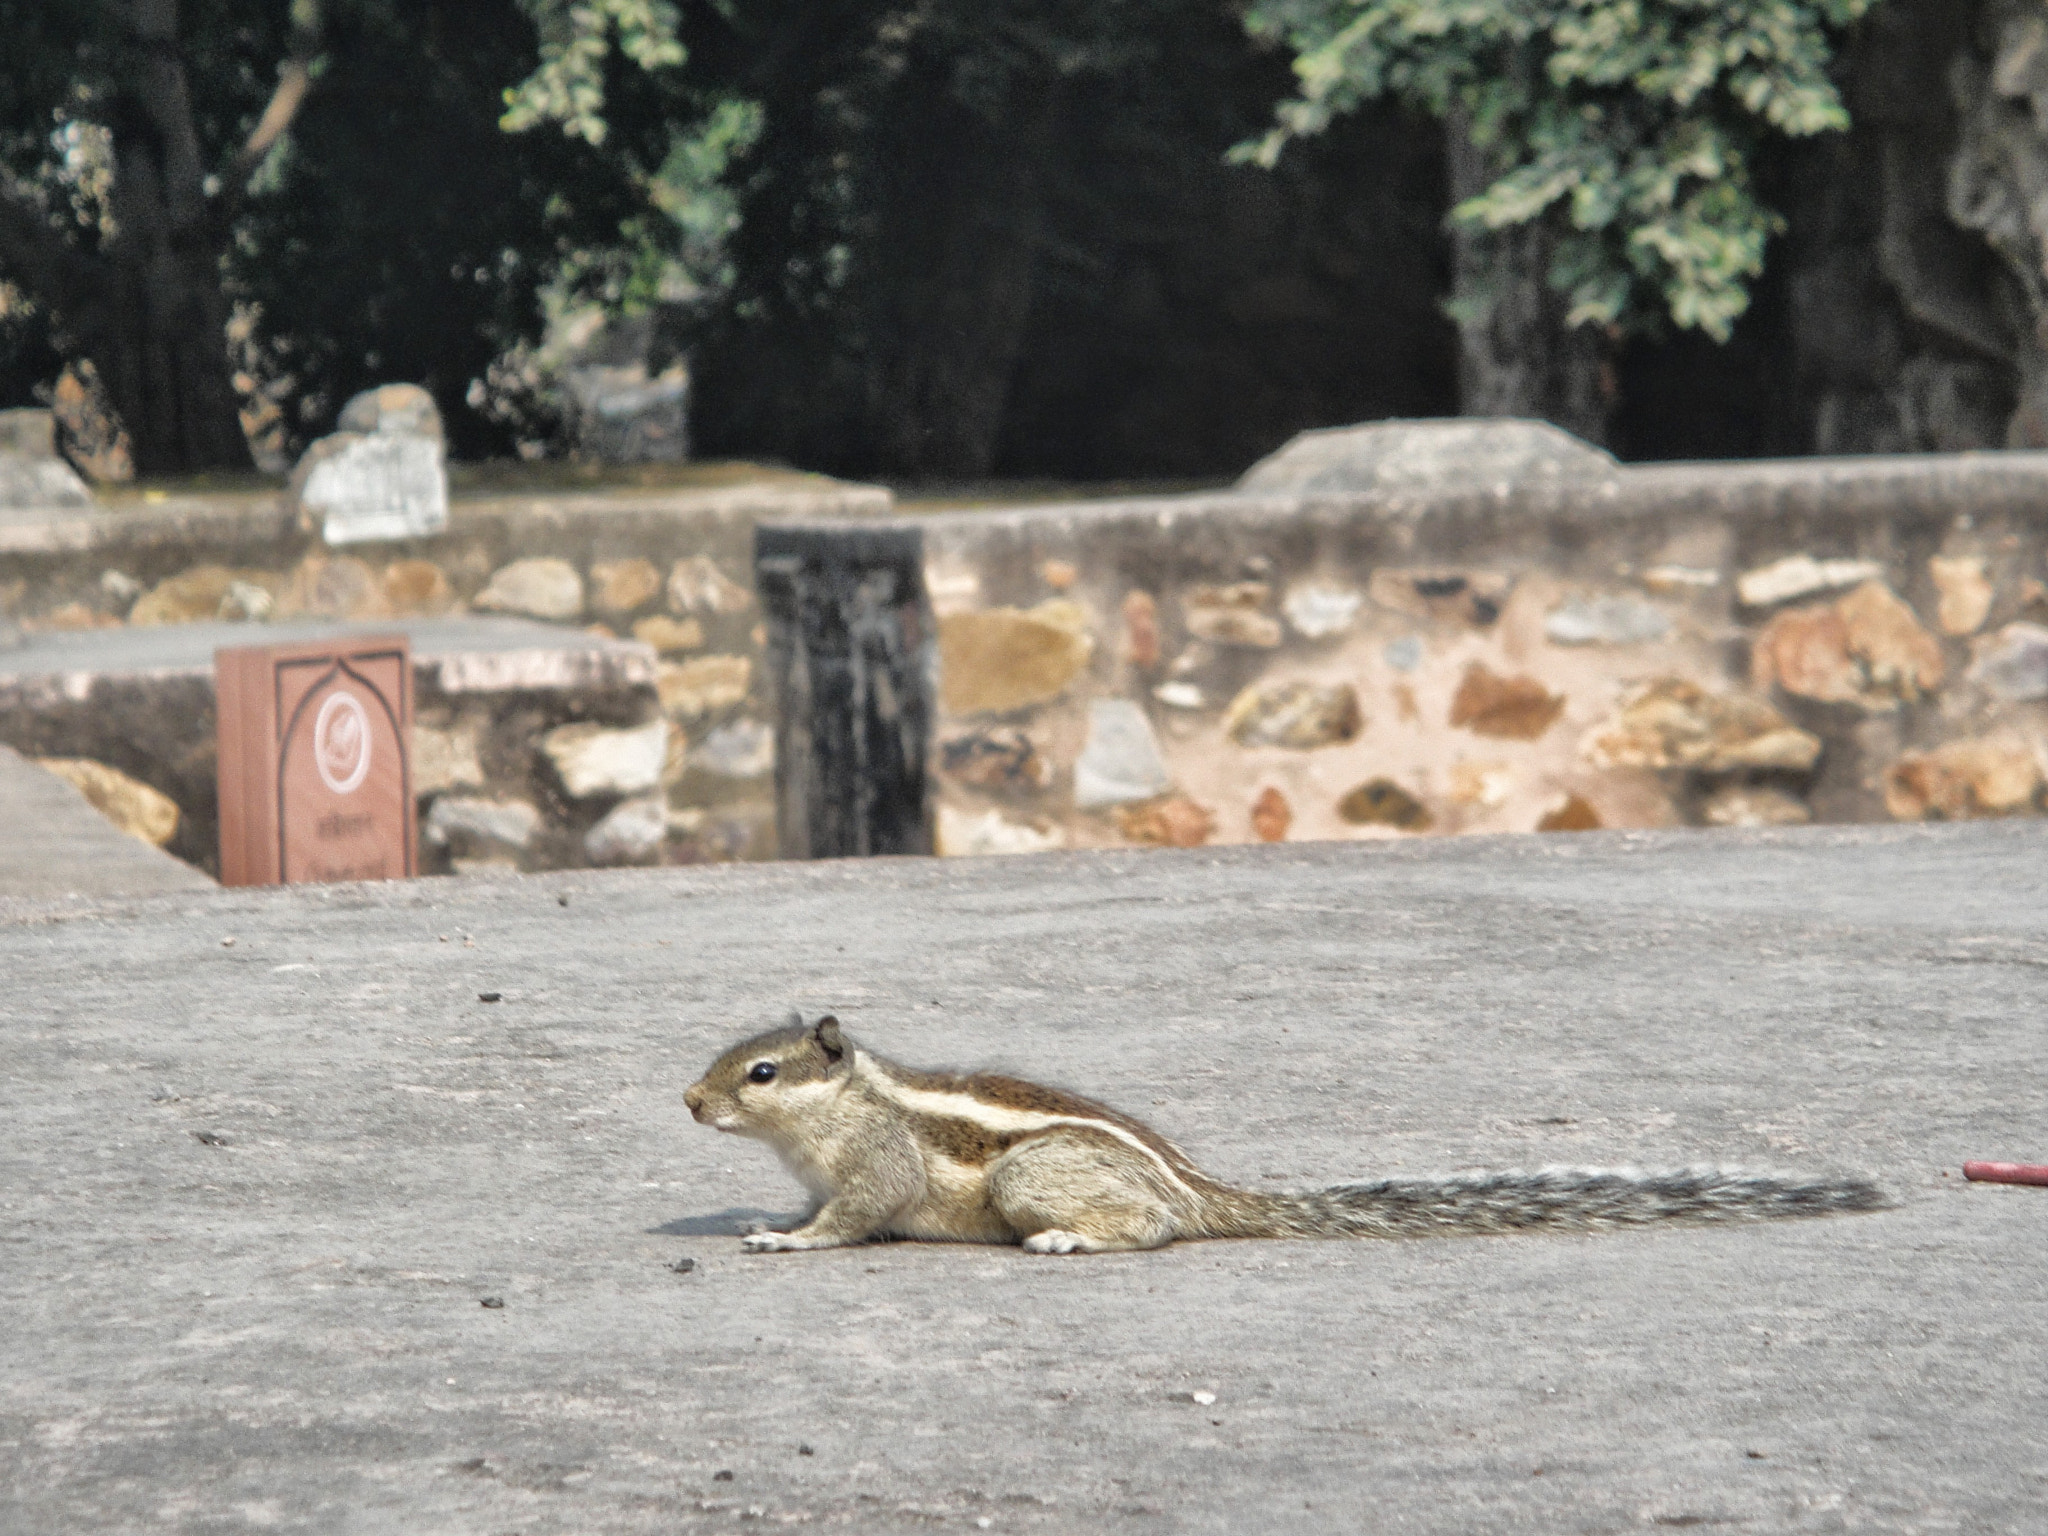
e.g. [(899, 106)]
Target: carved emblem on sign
[(341, 743)]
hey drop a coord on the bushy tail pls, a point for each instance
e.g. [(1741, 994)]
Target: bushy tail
[(1578, 1199)]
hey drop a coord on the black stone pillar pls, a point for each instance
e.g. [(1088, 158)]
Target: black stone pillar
[(850, 659)]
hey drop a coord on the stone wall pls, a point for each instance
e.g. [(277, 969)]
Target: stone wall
[(1410, 629), (662, 753), (1474, 627)]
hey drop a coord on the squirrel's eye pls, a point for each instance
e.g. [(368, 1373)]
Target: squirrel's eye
[(764, 1072)]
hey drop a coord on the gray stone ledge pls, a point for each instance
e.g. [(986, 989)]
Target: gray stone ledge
[(254, 520), (1933, 486), (463, 655), (182, 521)]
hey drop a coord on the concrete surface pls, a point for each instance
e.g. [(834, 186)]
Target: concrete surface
[(465, 654), (252, 1198), (245, 513), (54, 844)]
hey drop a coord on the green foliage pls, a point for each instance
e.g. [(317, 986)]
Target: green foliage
[(576, 38), (400, 233), (690, 189), (1629, 125), (673, 250), (395, 230)]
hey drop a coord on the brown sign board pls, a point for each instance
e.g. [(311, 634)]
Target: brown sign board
[(315, 761)]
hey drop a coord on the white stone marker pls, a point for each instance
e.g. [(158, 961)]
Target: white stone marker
[(384, 475)]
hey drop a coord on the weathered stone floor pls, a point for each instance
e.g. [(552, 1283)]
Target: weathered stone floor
[(253, 1195), (53, 844)]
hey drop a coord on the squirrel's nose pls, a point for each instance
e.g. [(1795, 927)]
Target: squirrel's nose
[(693, 1096)]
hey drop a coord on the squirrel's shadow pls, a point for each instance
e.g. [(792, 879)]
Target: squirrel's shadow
[(736, 1221)]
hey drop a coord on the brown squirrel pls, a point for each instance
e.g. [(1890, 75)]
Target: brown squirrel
[(888, 1151)]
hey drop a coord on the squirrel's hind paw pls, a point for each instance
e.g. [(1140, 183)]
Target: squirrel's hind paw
[(772, 1242), (1056, 1240)]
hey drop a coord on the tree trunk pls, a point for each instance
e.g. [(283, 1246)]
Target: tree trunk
[(158, 334), (1903, 335), (147, 309), (1516, 355), (948, 392), (1998, 185)]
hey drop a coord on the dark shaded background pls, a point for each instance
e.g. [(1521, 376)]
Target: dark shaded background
[(1005, 241)]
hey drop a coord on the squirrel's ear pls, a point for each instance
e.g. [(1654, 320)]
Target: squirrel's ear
[(830, 1041)]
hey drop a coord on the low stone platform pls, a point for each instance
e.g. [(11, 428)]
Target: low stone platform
[(253, 1196), (54, 844), (661, 554), (489, 690)]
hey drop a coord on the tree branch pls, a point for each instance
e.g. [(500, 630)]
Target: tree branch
[(295, 81), (295, 78), (294, 84)]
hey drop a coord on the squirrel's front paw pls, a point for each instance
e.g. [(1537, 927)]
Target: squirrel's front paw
[(772, 1242)]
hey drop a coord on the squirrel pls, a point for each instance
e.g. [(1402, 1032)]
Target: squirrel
[(888, 1151)]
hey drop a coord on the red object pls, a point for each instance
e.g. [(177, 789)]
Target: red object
[(315, 743), (2006, 1173)]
